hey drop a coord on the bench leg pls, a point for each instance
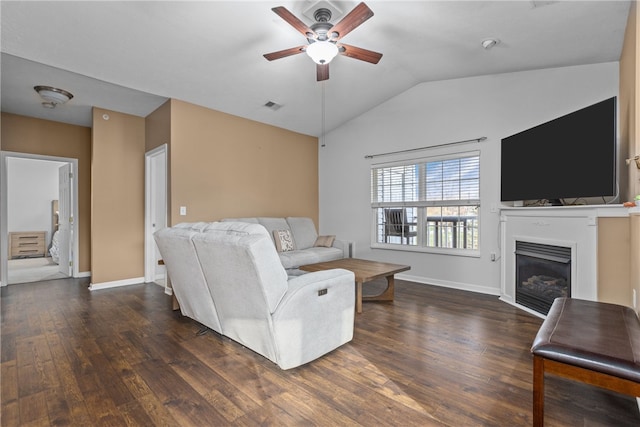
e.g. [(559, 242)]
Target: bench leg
[(538, 391)]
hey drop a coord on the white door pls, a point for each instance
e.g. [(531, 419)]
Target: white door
[(156, 212), (65, 219)]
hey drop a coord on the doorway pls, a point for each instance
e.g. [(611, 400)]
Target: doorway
[(32, 190), (155, 214)]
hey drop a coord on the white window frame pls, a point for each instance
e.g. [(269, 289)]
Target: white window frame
[(418, 242)]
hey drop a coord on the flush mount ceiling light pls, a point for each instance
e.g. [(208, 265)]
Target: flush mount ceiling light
[(52, 96)]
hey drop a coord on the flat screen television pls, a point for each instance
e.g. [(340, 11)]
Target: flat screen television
[(571, 157)]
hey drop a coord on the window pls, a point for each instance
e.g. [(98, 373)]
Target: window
[(433, 203)]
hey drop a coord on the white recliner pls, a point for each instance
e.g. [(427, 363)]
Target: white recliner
[(289, 320)]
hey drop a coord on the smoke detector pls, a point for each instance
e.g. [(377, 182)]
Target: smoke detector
[(489, 43)]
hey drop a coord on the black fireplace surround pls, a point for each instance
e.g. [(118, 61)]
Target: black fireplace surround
[(543, 273)]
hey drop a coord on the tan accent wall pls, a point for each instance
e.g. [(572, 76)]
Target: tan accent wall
[(635, 258), (613, 260), (158, 127), (628, 107), (226, 166), (629, 101), (220, 166), (22, 134), (117, 244), (158, 132)]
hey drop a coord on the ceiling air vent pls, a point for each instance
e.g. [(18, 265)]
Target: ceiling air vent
[(272, 105)]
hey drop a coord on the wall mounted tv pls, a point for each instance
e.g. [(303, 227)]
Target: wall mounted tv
[(571, 157)]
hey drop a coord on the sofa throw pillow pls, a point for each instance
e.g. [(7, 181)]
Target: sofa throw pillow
[(283, 240), (324, 241)]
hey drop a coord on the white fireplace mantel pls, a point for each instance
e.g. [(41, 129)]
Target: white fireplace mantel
[(575, 227)]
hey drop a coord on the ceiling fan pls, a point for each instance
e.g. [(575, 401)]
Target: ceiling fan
[(323, 38)]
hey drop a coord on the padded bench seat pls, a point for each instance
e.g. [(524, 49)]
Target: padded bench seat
[(593, 342)]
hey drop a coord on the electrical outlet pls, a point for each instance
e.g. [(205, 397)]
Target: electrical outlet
[(183, 210), (493, 256)]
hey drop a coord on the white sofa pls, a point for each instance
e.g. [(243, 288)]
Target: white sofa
[(227, 275), (304, 236)]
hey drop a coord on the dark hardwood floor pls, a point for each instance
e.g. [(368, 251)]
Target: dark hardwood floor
[(121, 356)]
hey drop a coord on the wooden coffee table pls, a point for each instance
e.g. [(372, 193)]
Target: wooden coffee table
[(365, 271)]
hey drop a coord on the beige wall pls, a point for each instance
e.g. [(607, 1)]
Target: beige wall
[(158, 127), (226, 166), (158, 132), (628, 107), (220, 166), (629, 102), (613, 260), (635, 254), (117, 244), (36, 136)]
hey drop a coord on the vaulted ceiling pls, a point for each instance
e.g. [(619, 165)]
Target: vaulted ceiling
[(132, 56)]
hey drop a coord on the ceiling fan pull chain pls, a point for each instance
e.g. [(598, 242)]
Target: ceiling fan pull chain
[(324, 142)]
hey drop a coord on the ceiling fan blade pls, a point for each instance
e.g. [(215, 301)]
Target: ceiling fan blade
[(283, 53), (322, 72), (359, 53), (357, 16), (292, 20)]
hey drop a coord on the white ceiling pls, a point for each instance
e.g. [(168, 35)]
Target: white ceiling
[(132, 56)]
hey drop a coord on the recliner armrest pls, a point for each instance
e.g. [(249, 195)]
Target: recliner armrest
[(338, 275), (315, 316)]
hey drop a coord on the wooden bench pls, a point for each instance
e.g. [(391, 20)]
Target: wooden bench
[(592, 342)]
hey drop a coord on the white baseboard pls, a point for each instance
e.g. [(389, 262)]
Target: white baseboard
[(447, 284), (116, 283), (81, 274)]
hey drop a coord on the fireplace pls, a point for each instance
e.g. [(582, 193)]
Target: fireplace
[(575, 227), (543, 273)]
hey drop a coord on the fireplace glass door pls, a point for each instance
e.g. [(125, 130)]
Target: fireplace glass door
[(543, 273)]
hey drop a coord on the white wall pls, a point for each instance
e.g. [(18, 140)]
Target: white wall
[(440, 112), (32, 185)]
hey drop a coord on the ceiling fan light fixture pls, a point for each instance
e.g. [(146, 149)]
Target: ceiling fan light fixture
[(322, 52), (52, 96)]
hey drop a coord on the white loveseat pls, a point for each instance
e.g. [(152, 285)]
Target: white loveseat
[(307, 249), (227, 275)]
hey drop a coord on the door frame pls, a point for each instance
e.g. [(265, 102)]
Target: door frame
[(149, 242), (65, 173), (4, 232)]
